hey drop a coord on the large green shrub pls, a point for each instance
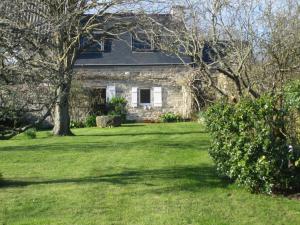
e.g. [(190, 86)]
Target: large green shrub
[(117, 107), (250, 144), (292, 101), (292, 94)]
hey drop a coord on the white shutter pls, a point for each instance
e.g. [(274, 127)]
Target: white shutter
[(157, 94), (134, 97), (110, 92)]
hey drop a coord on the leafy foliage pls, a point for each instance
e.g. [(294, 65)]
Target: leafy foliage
[(292, 104), (250, 144), (170, 118), (91, 121), (117, 107), (77, 124), (200, 118), (30, 133), (292, 94)]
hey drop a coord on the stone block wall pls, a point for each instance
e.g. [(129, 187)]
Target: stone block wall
[(176, 97)]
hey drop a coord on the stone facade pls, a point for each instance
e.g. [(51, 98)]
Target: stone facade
[(175, 96)]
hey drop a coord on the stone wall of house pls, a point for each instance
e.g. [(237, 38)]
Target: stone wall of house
[(176, 97)]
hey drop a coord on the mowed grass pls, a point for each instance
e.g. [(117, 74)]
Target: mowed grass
[(137, 174)]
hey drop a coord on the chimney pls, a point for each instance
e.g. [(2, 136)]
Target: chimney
[(178, 12)]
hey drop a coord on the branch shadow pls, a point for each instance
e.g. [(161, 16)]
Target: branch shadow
[(104, 144), (110, 146), (133, 125), (85, 147), (141, 134), (179, 179)]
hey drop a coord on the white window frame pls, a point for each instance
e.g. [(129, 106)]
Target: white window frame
[(100, 42), (152, 43), (145, 104)]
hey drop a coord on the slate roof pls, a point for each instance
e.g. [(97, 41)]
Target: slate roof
[(120, 53)]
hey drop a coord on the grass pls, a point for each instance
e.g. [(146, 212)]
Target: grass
[(137, 174)]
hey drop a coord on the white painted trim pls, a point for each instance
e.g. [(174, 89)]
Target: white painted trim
[(134, 97), (157, 97)]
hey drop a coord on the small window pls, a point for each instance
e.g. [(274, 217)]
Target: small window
[(96, 44), (142, 43), (145, 96), (92, 45)]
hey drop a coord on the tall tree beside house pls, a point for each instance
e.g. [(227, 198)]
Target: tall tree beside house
[(248, 50), (26, 72), (239, 48), (66, 23)]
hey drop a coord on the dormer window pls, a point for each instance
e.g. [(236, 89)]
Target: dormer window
[(141, 42), (95, 44)]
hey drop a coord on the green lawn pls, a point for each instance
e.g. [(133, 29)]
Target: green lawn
[(136, 174)]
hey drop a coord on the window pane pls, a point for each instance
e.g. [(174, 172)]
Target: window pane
[(107, 45), (145, 96), (142, 45), (92, 45), (141, 42)]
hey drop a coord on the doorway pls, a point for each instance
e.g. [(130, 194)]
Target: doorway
[(98, 101)]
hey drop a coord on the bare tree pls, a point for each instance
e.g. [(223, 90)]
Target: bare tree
[(27, 82), (65, 23), (252, 45)]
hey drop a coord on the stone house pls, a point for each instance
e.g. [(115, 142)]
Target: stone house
[(152, 81)]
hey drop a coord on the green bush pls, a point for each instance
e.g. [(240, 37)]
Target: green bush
[(91, 121), (292, 94), (117, 107), (77, 124), (200, 118), (292, 102), (30, 133), (49, 134), (170, 118), (250, 145)]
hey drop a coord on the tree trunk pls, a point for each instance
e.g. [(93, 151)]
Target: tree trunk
[(61, 112)]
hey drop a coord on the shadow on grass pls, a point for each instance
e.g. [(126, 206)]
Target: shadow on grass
[(141, 134), (108, 145), (177, 178), (81, 147), (132, 125)]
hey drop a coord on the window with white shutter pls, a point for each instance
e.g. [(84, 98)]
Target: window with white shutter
[(145, 96), (157, 97), (110, 92), (134, 97)]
